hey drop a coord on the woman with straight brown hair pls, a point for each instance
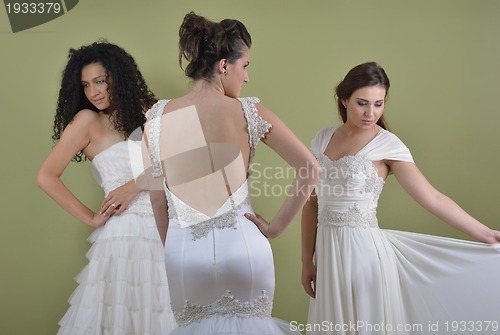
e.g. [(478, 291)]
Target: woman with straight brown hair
[(367, 280)]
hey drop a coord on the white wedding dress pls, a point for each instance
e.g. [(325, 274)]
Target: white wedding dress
[(220, 268), (124, 289), (375, 281)]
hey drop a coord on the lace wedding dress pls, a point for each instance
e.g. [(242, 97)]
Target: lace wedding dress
[(220, 267), (375, 281), (123, 290)]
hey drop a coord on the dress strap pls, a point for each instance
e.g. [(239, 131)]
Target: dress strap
[(257, 126), (153, 116), (321, 140)]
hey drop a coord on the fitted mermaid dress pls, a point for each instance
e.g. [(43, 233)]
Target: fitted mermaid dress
[(376, 281), (220, 267), (124, 289)]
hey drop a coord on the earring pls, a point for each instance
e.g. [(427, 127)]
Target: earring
[(225, 72)]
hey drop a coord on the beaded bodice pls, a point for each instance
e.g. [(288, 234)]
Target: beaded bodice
[(348, 192), (114, 167), (349, 188)]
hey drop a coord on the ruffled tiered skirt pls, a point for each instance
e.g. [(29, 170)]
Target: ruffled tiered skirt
[(123, 290)]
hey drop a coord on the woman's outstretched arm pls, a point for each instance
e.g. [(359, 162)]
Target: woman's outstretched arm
[(414, 182)]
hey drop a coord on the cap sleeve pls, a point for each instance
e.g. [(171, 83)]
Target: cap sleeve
[(320, 141), (153, 117), (257, 126), (388, 146)]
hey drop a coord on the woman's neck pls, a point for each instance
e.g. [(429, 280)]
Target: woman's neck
[(202, 87), (351, 130)]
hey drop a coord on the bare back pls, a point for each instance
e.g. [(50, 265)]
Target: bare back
[(221, 118), (206, 146)]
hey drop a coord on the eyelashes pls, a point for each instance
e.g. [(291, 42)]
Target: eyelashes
[(98, 82), (364, 103)]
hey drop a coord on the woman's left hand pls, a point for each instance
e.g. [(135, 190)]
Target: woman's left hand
[(493, 237), (119, 199)]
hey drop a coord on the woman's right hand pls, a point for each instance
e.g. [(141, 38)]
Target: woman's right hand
[(75, 138), (309, 279), (120, 198)]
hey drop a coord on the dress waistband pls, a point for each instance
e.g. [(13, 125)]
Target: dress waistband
[(353, 217), (201, 227)]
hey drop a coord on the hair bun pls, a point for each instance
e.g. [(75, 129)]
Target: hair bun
[(203, 42)]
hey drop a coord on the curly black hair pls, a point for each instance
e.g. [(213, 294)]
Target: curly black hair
[(129, 94)]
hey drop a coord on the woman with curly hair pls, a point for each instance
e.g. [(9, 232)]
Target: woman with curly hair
[(123, 289)]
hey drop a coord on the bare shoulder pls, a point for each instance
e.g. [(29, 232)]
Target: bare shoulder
[(85, 117), (84, 126)]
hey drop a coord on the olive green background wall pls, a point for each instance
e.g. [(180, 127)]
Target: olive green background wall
[(441, 56)]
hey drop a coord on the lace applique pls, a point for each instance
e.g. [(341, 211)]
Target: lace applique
[(257, 126), (226, 216), (374, 184), (225, 306), (352, 218), (154, 118), (348, 167), (227, 220)]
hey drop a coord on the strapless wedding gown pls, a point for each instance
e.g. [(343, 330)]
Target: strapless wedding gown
[(375, 281), (123, 290), (220, 268)]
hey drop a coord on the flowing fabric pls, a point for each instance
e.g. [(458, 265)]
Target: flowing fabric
[(220, 268), (124, 288), (376, 281)]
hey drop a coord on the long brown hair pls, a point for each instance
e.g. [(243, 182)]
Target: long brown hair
[(362, 75)]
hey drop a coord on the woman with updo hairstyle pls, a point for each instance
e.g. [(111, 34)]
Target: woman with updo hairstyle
[(99, 117), (218, 258), (366, 280)]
